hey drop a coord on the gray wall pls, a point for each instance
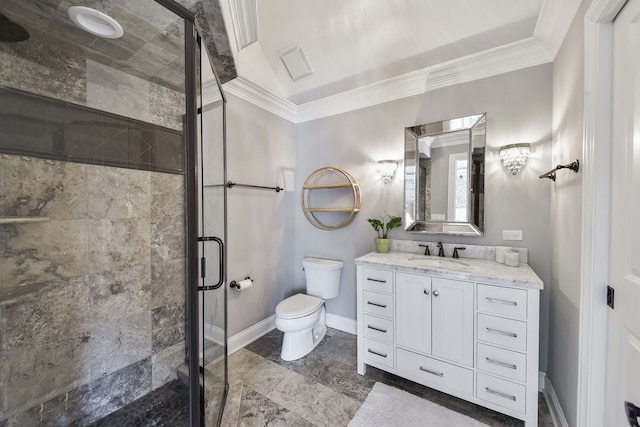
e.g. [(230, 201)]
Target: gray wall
[(566, 199), (260, 151), (518, 107)]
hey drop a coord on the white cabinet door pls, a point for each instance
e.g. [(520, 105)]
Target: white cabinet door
[(413, 312), (452, 320)]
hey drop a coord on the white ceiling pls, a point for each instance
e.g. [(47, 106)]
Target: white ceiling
[(357, 47)]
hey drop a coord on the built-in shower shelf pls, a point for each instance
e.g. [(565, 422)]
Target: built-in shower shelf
[(22, 219)]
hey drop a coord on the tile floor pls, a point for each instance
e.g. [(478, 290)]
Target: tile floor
[(322, 388)]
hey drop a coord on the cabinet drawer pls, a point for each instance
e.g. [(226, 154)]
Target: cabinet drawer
[(374, 279), (428, 371), (378, 352), (505, 332), (502, 301), (501, 392), (499, 361), (378, 328), (380, 304)]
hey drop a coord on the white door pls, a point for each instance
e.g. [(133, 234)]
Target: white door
[(623, 352), (413, 312), (452, 320)]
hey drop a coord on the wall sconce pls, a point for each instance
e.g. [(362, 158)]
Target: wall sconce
[(387, 168), (514, 157)]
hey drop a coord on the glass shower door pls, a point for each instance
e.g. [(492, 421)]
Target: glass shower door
[(212, 289), (93, 178)]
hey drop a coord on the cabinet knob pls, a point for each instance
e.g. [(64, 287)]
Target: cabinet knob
[(426, 291), (436, 293)]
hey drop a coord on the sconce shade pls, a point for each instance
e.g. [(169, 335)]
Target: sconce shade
[(514, 157), (387, 168)]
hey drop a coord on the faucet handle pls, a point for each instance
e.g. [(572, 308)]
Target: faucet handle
[(426, 248), (456, 249)]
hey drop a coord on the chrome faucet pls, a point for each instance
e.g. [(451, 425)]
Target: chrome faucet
[(456, 249), (426, 249), (440, 249)]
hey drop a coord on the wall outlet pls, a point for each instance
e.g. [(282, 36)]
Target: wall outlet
[(511, 234)]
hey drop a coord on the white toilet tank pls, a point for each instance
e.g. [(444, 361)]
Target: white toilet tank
[(323, 277)]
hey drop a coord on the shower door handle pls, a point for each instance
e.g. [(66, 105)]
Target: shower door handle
[(203, 263)]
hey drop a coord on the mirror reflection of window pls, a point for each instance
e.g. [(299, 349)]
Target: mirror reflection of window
[(458, 177)]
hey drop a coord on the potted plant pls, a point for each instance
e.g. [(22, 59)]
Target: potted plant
[(383, 228)]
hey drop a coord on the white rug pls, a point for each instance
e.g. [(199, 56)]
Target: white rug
[(388, 406)]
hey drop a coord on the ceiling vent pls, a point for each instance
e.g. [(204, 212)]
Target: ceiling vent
[(296, 62)]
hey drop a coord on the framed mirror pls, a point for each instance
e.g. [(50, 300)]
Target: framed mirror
[(444, 176)]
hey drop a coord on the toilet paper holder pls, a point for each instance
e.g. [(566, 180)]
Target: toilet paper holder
[(235, 284)]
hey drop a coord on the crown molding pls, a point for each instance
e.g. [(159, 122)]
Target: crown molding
[(492, 62), (500, 60), (244, 16), (274, 103), (554, 21), (210, 92)]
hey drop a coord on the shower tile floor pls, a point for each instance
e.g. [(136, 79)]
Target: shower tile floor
[(320, 389), (166, 406)]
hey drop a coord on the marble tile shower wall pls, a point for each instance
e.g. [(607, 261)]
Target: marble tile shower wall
[(91, 301), (46, 70)]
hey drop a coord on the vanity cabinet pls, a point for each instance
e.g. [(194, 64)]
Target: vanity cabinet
[(473, 338)]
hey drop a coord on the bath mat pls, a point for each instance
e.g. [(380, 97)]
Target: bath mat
[(388, 406)]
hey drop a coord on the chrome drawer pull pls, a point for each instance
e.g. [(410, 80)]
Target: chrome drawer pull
[(376, 353), (439, 374), (376, 280), (508, 334), (376, 304), (377, 329), (506, 365), (497, 393), (501, 301)]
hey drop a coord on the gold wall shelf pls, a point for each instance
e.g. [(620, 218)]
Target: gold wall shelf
[(330, 178)]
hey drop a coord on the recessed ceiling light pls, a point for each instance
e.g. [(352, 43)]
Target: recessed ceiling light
[(95, 22)]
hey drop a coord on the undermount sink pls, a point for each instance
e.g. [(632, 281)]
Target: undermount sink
[(435, 262)]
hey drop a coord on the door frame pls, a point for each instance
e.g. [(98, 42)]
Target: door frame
[(596, 204)]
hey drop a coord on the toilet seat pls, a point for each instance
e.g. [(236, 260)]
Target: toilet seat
[(298, 305)]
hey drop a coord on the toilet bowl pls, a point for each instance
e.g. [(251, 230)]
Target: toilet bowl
[(302, 317)]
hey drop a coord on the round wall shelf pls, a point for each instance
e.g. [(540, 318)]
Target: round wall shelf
[(330, 186)]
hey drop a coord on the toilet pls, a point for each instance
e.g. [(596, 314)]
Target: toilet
[(302, 317)]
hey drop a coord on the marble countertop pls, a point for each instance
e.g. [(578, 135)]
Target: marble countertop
[(477, 270)]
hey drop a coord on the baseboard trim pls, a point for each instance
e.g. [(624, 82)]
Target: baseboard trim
[(249, 335), (343, 324), (252, 333), (555, 410), (213, 333)]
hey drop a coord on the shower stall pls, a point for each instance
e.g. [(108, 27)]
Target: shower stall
[(111, 245)]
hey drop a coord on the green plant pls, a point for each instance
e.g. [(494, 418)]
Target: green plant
[(383, 228)]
